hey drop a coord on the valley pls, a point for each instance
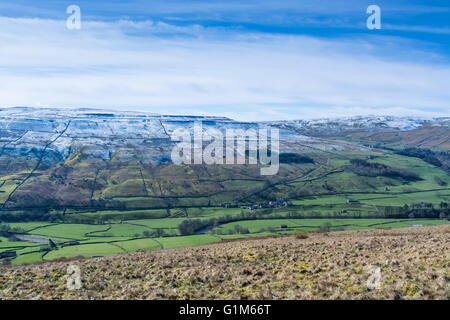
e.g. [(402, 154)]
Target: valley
[(99, 183)]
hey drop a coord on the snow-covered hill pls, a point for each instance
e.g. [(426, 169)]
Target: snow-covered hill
[(105, 133), (333, 125)]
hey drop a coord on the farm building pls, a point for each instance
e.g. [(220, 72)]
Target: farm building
[(284, 202)]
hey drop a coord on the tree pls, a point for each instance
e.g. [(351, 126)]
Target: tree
[(147, 233), (241, 230), (188, 227), (52, 244), (160, 232)]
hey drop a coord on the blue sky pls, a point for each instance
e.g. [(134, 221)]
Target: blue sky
[(249, 60)]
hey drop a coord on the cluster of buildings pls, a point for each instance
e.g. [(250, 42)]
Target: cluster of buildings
[(283, 202)]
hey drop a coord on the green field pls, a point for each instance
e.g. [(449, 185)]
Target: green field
[(304, 225), (186, 241), (88, 250), (69, 231), (124, 239), (139, 244)]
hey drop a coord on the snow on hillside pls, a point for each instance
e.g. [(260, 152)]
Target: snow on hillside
[(102, 132)]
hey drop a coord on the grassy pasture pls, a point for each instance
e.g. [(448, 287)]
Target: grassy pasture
[(139, 244), (7, 188), (88, 250), (388, 199), (69, 231), (6, 244), (27, 226), (123, 230), (28, 258), (187, 241), (304, 225), (121, 242), (120, 214)]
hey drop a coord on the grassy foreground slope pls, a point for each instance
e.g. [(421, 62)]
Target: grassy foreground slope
[(414, 264)]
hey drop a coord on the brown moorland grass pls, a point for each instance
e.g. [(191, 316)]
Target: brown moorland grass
[(414, 264)]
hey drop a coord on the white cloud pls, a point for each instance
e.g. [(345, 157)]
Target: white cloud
[(163, 68)]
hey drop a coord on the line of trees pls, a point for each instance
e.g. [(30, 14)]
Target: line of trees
[(438, 159), (6, 230), (419, 210), (158, 232), (439, 181), (364, 168), (193, 226), (25, 215), (294, 158)]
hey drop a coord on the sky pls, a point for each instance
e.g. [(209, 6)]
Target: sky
[(247, 60)]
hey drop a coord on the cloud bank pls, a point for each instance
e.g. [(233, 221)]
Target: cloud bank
[(164, 68)]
